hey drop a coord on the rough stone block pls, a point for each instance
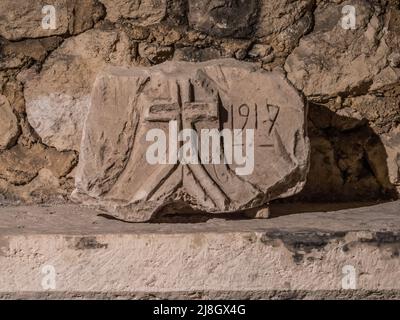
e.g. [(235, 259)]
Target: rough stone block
[(331, 60), (223, 18), (262, 114), (9, 129), (142, 12), (21, 19), (57, 98)]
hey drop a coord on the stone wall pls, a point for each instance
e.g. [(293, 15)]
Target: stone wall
[(350, 77)]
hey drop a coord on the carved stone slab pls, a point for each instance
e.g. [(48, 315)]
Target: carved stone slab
[(130, 107)]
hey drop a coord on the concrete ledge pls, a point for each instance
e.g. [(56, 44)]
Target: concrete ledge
[(68, 251)]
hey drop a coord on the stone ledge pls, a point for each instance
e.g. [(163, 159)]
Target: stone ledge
[(210, 295), (290, 256)]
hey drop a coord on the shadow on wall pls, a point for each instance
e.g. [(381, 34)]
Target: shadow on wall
[(348, 160)]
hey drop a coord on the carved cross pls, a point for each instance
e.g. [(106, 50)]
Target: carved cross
[(186, 111)]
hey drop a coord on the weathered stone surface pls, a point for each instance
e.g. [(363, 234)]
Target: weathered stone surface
[(94, 257), (35, 174), (176, 12), (114, 172), (9, 129), (382, 112), (23, 19), (84, 15), (196, 54), (57, 98), (277, 16), (224, 18), (332, 61), (142, 12), (31, 161), (281, 24), (45, 187), (155, 54), (20, 53), (391, 142)]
